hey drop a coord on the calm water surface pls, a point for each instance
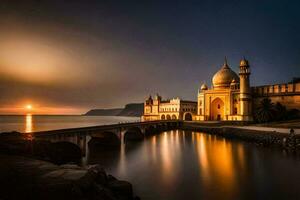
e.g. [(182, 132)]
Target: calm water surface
[(30, 123), (178, 165)]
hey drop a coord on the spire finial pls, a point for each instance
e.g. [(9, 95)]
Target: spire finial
[(225, 65)]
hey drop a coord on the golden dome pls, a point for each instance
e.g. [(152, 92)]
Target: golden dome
[(204, 87), (244, 62), (224, 77)]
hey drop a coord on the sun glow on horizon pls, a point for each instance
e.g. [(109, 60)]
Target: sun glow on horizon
[(29, 107), (38, 108)]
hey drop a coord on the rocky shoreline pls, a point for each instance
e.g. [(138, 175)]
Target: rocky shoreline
[(41, 170), (290, 142)]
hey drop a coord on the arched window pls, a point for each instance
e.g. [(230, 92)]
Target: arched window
[(235, 111), (219, 106)]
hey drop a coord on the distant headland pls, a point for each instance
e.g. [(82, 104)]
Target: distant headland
[(132, 109)]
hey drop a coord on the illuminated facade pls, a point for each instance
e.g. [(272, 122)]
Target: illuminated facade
[(288, 94), (158, 109), (231, 98)]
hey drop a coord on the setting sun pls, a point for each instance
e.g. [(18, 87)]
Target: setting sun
[(28, 107)]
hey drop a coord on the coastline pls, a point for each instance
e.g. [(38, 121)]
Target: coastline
[(39, 154), (266, 136)]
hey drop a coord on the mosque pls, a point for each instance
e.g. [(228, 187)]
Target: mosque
[(231, 98)]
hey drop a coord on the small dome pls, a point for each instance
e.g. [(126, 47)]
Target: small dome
[(244, 62), (233, 82), (224, 77), (204, 87)]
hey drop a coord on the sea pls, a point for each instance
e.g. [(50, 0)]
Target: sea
[(32, 123), (180, 164)]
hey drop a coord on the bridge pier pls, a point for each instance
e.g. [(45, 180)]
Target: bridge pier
[(114, 134)]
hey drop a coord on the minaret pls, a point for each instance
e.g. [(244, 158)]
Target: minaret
[(245, 91)]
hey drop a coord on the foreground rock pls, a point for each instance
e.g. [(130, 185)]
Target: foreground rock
[(26, 178)]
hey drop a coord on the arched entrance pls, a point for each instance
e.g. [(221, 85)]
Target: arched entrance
[(163, 117), (188, 117), (168, 117), (217, 110), (174, 117)]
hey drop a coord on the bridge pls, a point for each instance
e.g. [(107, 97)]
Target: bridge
[(112, 136), (106, 135)]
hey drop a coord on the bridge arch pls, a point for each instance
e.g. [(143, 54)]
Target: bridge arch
[(133, 134), (104, 139), (150, 130)]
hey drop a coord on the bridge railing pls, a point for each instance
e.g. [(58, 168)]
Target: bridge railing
[(101, 127)]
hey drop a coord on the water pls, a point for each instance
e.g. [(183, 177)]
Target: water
[(30, 123), (178, 165)]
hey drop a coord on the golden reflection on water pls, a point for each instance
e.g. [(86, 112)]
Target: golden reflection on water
[(241, 153), (166, 156), (153, 148), (219, 160), (28, 124), (202, 155)]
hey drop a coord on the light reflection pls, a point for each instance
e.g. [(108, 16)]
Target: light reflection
[(28, 124), (193, 137), (153, 148), (183, 136), (217, 160), (177, 138), (166, 158), (122, 161), (241, 159), (211, 161), (202, 155)]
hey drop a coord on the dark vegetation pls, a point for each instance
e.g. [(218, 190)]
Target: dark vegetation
[(267, 111)]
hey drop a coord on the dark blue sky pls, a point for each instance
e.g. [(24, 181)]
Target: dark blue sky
[(116, 52)]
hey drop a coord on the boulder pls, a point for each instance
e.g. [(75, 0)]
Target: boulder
[(101, 177), (121, 189)]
